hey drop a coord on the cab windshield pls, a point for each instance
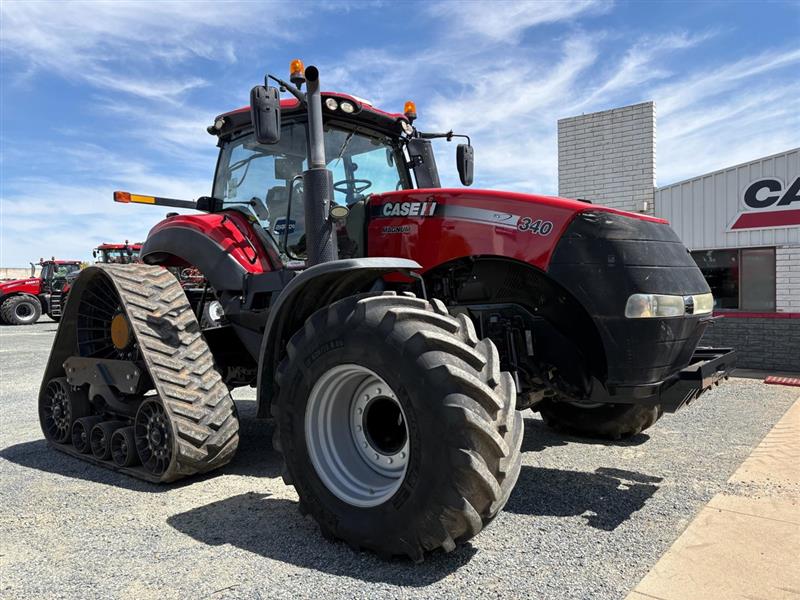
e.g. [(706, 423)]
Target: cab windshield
[(117, 256), (58, 271), (258, 178)]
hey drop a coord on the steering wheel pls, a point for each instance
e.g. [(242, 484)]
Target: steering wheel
[(359, 185)]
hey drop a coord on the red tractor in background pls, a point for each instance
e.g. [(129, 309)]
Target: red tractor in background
[(105, 253), (390, 326), (23, 301)]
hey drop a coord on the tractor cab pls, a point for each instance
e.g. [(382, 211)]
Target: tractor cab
[(56, 272), (368, 151)]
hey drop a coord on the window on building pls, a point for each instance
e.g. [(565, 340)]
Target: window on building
[(740, 279)]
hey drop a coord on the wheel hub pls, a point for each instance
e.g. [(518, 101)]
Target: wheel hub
[(378, 427), (357, 435), (120, 331)]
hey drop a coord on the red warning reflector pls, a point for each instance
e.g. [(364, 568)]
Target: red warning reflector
[(122, 197), (793, 381)]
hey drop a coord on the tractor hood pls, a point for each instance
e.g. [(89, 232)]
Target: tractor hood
[(515, 203), (19, 285)]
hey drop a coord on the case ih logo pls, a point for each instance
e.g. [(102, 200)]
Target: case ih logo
[(408, 209), (768, 203)]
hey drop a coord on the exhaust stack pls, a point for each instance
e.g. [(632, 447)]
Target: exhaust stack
[(317, 181)]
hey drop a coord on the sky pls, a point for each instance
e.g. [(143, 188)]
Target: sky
[(98, 96)]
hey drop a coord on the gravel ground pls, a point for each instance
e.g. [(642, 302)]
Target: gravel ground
[(586, 520)]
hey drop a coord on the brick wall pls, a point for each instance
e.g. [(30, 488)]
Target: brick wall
[(608, 157), (787, 279), (762, 343)]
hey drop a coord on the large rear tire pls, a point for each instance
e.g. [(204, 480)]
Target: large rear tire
[(396, 425), (21, 310), (609, 421)]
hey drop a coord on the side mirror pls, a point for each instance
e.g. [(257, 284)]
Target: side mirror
[(465, 162), (265, 113), (94, 253)]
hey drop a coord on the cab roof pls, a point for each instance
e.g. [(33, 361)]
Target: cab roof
[(134, 246), (239, 119), (60, 262)]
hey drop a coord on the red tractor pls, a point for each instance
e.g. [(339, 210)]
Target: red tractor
[(22, 302), (390, 326)]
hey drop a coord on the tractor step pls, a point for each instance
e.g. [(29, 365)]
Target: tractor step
[(141, 350)]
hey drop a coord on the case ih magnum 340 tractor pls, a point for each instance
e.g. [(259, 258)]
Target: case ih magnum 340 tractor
[(391, 327), (22, 302)]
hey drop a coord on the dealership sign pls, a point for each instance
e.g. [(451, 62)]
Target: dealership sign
[(768, 203)]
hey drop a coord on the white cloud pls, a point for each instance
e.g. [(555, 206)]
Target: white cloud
[(41, 215), (505, 20), (131, 47)]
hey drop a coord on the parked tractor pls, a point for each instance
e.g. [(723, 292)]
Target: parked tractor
[(22, 302), (390, 326)]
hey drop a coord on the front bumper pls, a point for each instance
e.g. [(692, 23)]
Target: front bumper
[(706, 369)]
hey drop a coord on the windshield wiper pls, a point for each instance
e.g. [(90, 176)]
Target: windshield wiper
[(344, 146)]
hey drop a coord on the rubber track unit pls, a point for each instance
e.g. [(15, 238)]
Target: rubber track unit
[(485, 461), (202, 413)]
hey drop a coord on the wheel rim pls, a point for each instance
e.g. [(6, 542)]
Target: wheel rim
[(153, 437), (23, 311), (357, 435), (57, 411)]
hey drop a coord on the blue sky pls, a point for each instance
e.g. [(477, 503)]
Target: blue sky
[(103, 96)]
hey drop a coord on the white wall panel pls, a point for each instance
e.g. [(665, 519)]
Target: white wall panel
[(701, 209)]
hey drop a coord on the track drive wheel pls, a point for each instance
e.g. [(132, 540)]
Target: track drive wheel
[(396, 425), (606, 421)]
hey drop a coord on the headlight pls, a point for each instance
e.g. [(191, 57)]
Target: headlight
[(703, 303), (407, 127), (348, 107), (643, 306), (331, 103)]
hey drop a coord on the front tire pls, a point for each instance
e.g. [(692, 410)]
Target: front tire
[(21, 310), (609, 421), (445, 416)]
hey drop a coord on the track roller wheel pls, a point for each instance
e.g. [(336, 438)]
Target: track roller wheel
[(81, 430), (58, 408), (153, 437), (100, 438), (123, 447)]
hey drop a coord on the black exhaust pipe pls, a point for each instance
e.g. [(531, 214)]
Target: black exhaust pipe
[(317, 181)]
